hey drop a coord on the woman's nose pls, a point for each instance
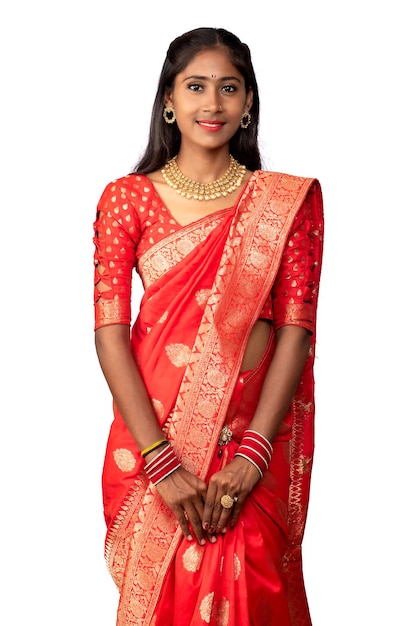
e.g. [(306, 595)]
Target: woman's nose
[(213, 103)]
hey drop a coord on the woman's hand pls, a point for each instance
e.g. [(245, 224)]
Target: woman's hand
[(185, 494), (237, 479)]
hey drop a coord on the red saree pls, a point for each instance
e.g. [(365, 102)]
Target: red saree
[(205, 285)]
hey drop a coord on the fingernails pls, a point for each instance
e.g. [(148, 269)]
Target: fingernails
[(189, 538), (202, 542), (211, 529), (212, 538), (205, 526)]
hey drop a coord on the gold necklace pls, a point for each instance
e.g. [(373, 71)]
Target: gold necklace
[(188, 188)]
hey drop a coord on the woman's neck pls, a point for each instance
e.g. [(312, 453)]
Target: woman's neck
[(203, 166)]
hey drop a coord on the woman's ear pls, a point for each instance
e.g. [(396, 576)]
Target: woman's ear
[(249, 100), (168, 102)]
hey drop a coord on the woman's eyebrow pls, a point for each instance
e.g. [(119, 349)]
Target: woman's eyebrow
[(197, 77)]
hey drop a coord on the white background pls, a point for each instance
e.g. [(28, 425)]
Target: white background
[(337, 84)]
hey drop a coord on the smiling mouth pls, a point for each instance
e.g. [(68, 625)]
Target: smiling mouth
[(211, 124)]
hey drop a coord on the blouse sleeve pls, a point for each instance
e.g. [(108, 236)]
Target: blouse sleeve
[(116, 234), (295, 287)]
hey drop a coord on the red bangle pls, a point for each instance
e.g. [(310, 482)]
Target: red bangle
[(161, 466), (256, 449)]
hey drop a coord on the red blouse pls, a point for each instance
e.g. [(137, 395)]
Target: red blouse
[(131, 218)]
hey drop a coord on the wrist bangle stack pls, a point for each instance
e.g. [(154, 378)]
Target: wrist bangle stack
[(164, 464), (256, 449), (152, 447)]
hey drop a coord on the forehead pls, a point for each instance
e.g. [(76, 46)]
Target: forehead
[(211, 62)]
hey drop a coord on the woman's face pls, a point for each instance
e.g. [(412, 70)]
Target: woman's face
[(209, 98)]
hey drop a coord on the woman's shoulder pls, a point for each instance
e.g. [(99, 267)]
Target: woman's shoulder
[(283, 176), (128, 184), (133, 189), (290, 186)]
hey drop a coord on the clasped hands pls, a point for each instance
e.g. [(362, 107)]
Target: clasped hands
[(197, 505)]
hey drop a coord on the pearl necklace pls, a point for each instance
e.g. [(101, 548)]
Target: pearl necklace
[(188, 188)]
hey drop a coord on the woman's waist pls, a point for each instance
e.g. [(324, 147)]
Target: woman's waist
[(243, 405)]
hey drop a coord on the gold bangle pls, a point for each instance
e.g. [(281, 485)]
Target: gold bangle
[(153, 446)]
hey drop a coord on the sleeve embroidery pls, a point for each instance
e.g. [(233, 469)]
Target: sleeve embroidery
[(115, 239), (295, 285)]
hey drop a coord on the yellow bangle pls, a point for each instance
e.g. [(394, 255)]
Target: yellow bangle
[(153, 446)]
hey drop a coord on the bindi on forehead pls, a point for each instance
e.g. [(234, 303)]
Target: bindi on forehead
[(213, 75)]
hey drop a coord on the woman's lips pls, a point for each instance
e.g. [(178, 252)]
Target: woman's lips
[(211, 125)]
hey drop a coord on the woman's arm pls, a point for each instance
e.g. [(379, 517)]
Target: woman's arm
[(181, 491), (282, 378), (240, 476), (126, 384)]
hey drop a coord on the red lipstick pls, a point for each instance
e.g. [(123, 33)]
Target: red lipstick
[(211, 125)]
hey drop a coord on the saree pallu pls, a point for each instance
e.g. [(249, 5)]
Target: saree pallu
[(205, 286)]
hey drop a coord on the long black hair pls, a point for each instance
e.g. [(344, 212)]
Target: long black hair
[(164, 139)]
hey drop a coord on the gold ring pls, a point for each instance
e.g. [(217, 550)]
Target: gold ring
[(227, 502)]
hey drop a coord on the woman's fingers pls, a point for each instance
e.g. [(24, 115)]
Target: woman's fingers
[(212, 510), (227, 491), (207, 510), (220, 501), (182, 519), (184, 494), (224, 516), (235, 512), (190, 521)]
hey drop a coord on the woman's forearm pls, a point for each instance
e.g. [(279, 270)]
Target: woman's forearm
[(126, 384), (281, 380)]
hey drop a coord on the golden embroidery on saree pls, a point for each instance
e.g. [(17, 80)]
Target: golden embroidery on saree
[(163, 318), (222, 612), (217, 609), (202, 297), (237, 567), (192, 558), (158, 407), (303, 464), (154, 552), (178, 354), (124, 459), (171, 250), (206, 607)]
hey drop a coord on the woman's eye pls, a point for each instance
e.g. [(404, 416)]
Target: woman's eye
[(229, 88), (195, 87)]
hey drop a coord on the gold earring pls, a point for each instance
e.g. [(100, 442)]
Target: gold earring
[(245, 120), (169, 115)]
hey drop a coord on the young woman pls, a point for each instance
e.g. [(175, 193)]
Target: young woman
[(207, 469)]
